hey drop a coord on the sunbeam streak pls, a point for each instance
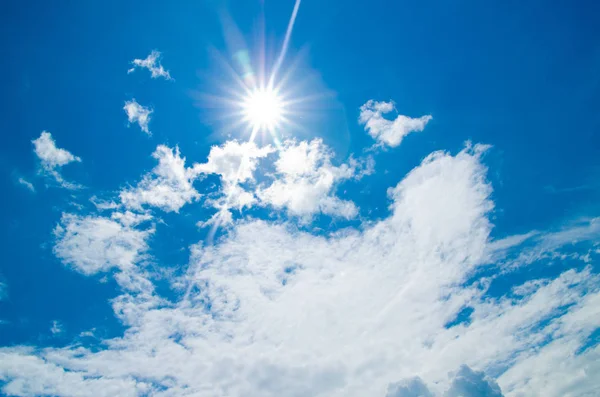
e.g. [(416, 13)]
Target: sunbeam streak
[(286, 42)]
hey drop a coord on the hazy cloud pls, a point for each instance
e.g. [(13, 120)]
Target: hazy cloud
[(28, 185)]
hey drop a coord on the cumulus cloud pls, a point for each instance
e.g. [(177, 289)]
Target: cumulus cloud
[(305, 182), (152, 63), (413, 387), (389, 132), (28, 185), (53, 158), (92, 244), (270, 310), (465, 383), (469, 383), (169, 186), (235, 164), (139, 114)]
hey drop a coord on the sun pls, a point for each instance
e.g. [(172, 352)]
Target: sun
[(263, 108)]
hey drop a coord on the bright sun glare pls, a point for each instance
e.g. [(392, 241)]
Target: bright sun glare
[(263, 108)]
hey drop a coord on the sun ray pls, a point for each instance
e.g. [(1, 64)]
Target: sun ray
[(286, 42)]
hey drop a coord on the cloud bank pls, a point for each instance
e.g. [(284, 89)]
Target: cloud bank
[(272, 309)]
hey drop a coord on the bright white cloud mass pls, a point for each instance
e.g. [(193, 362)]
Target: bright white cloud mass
[(305, 181), (271, 309)]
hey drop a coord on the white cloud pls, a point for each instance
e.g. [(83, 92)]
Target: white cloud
[(51, 379), (389, 132), (305, 182), (129, 218), (94, 244), (235, 163), (137, 113), (273, 311), (413, 387), (22, 181), (103, 205), (152, 63), (57, 327), (469, 383), (53, 158), (169, 186)]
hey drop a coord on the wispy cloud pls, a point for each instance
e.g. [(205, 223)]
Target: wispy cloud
[(152, 63), (56, 328), (28, 185), (139, 114), (389, 132), (53, 158)]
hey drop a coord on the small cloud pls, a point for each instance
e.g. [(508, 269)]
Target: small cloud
[(53, 158), (152, 63), (102, 205), (26, 184), (137, 113), (88, 334), (56, 328), (389, 132)]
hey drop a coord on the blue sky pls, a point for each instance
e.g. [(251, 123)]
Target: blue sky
[(421, 221)]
